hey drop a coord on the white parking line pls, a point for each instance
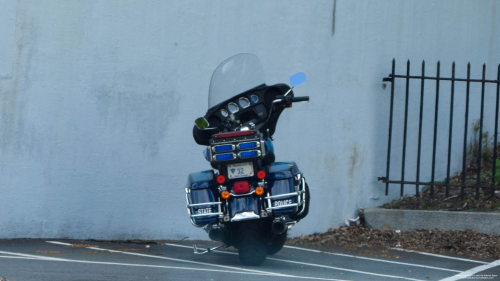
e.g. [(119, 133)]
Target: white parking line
[(257, 272), (18, 257), (345, 269), (59, 243), (439, 256), (316, 265), (164, 258), (372, 259), (28, 256), (41, 258), (469, 273)]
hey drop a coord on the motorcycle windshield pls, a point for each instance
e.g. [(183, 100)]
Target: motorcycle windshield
[(234, 76)]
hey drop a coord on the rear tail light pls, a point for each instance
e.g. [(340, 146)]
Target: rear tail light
[(221, 179), (261, 175), (241, 187), (234, 134)]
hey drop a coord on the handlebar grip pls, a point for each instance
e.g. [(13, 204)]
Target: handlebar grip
[(297, 99)]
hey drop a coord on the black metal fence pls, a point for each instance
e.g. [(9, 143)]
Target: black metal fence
[(468, 95)]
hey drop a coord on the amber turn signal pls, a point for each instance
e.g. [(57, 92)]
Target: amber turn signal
[(225, 194), (259, 190)]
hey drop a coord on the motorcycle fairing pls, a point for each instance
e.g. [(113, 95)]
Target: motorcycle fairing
[(257, 113)]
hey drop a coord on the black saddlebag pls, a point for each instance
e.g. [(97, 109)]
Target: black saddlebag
[(287, 190), (203, 204)]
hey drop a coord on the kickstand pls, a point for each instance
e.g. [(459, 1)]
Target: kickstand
[(208, 250)]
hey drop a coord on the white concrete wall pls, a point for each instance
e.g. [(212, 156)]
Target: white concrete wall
[(98, 98)]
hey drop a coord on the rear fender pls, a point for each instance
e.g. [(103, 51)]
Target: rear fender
[(244, 207)]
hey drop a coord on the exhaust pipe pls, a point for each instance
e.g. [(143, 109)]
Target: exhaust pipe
[(279, 225), (216, 234)]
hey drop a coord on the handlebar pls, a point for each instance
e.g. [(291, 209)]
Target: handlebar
[(299, 99), (290, 99)]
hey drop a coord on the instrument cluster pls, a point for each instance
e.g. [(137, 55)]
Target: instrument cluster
[(248, 108), (243, 103)]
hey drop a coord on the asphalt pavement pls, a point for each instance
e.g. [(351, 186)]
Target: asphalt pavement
[(54, 259)]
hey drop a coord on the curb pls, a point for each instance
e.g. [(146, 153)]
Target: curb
[(404, 220)]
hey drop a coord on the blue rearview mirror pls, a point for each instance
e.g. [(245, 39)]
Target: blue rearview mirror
[(297, 79)]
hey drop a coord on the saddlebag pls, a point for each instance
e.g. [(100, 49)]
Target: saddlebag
[(287, 189), (203, 204)]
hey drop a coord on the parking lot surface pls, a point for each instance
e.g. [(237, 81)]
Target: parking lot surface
[(24, 259)]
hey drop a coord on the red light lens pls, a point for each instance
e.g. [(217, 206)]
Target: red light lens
[(221, 179), (261, 174), (234, 134), (241, 187)]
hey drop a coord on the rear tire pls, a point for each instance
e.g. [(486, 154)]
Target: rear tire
[(249, 239), (277, 244)]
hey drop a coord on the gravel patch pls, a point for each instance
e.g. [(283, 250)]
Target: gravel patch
[(468, 243)]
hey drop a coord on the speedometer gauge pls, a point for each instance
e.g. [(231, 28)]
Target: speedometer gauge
[(244, 102), (254, 98), (233, 108), (224, 113)]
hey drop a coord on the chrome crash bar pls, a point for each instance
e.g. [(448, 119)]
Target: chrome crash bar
[(189, 206), (300, 196)]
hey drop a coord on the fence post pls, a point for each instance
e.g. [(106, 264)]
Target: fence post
[(479, 151), (451, 129), (390, 127), (466, 127), (496, 133), (435, 130), (417, 192), (405, 127)]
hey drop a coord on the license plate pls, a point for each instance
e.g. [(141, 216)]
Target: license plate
[(240, 170)]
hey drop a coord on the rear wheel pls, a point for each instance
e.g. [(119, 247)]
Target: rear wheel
[(276, 244), (249, 239)]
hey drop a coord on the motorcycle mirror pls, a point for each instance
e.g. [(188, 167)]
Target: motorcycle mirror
[(297, 79), (201, 123)]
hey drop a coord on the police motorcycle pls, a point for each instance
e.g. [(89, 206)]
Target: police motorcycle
[(247, 200)]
